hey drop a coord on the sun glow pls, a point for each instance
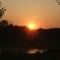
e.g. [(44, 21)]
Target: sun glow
[(31, 26)]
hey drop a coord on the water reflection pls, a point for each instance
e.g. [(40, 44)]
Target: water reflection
[(33, 51)]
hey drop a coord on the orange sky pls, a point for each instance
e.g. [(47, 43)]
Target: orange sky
[(43, 13)]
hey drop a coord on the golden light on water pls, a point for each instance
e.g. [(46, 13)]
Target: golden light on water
[(33, 51)]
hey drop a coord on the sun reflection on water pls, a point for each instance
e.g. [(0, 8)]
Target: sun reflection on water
[(33, 51)]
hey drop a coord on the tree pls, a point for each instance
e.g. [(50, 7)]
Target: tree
[(58, 1), (4, 23), (2, 10)]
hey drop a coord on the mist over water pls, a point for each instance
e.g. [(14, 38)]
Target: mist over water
[(33, 51)]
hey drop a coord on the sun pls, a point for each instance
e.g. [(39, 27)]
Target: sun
[(31, 26)]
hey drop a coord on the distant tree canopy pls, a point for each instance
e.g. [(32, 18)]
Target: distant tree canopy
[(14, 37), (3, 23)]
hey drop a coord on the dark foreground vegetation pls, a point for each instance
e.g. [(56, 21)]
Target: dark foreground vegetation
[(20, 38), (49, 55)]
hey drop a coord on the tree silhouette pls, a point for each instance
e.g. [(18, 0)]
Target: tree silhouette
[(4, 23), (2, 10), (58, 1)]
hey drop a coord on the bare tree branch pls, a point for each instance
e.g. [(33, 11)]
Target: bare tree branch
[(58, 1)]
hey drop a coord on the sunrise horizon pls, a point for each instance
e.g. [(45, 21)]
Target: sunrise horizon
[(30, 29), (43, 14)]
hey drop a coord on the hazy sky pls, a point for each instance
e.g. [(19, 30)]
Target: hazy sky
[(43, 13)]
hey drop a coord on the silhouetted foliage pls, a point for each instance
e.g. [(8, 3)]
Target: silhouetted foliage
[(3, 23), (17, 38), (58, 1), (2, 10)]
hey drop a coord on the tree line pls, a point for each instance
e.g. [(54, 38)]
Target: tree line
[(20, 37)]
